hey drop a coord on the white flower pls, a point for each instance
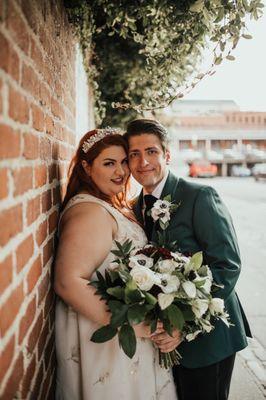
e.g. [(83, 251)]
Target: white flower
[(192, 336), (140, 260), (190, 289), (216, 306), (143, 277), (165, 300), (206, 325), (199, 307), (207, 285), (113, 266), (167, 266), (161, 210), (168, 283)]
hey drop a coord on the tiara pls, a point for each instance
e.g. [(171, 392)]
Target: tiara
[(99, 135)]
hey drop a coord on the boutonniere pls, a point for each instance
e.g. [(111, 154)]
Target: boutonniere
[(162, 211)]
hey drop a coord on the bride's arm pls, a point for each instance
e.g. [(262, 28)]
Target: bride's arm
[(87, 231)]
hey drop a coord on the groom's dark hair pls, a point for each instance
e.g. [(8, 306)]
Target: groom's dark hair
[(138, 127)]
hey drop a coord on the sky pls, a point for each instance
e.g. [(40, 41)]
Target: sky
[(242, 80)]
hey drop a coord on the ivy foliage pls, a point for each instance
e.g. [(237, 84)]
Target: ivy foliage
[(142, 54)]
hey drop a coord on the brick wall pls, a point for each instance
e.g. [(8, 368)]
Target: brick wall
[(37, 135)]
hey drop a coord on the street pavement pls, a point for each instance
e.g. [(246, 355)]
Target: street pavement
[(246, 200)]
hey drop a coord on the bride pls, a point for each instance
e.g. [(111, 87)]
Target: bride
[(94, 215)]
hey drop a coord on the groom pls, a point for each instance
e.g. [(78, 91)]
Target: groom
[(201, 223)]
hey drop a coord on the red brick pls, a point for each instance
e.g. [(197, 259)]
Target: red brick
[(34, 274), (28, 378), (47, 252), (43, 288), (9, 142), (43, 339), (40, 174), (11, 223), (31, 146), (31, 11), (53, 220), (22, 180), (24, 252), (17, 28), (45, 149), (56, 109), (18, 106), (9, 62), (27, 320), (37, 118), (34, 334), (36, 55), (5, 273), (52, 172), (4, 183), (56, 196), (1, 98), (49, 125), (30, 81), (45, 96), (49, 302), (37, 384), (33, 210), (48, 351), (15, 379), (46, 201), (10, 308), (41, 233), (6, 356)]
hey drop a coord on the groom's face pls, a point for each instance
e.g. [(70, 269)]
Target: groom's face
[(147, 160)]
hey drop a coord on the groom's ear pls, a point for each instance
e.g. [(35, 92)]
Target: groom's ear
[(167, 156)]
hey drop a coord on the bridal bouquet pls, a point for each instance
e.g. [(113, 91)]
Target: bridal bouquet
[(152, 284)]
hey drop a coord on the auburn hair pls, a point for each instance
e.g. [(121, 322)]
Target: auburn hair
[(78, 179)]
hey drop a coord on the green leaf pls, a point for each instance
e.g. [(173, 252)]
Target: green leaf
[(150, 298), (230, 58), (136, 314), (104, 334), (117, 292), (119, 316), (133, 296), (175, 316), (114, 305), (196, 261), (127, 340), (246, 36)]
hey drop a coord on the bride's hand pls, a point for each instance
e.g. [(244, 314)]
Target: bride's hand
[(143, 330)]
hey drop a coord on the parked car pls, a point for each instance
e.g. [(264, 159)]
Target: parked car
[(259, 171), (240, 170), (190, 155), (202, 169), (233, 154), (213, 155)]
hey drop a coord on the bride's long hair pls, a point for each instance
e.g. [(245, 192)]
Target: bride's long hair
[(79, 181)]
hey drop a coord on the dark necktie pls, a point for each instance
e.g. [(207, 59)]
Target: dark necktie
[(148, 221)]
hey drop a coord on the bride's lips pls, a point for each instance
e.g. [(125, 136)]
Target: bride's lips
[(118, 181)]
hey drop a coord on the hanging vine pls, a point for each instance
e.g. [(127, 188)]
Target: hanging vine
[(141, 55)]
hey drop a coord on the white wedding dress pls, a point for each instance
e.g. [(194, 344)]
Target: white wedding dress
[(92, 371)]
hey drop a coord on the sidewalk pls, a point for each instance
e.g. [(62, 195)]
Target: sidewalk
[(249, 377)]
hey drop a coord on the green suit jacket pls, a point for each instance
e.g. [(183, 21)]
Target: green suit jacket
[(202, 223)]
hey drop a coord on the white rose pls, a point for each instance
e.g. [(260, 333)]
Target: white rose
[(199, 307), (165, 300), (140, 260), (192, 336), (161, 210), (216, 306), (190, 289), (143, 277), (168, 283), (167, 266)]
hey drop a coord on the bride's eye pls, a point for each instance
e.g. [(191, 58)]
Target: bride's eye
[(109, 163)]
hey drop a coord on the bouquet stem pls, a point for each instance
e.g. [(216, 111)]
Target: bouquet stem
[(168, 360)]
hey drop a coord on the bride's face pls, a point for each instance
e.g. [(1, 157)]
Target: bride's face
[(109, 171)]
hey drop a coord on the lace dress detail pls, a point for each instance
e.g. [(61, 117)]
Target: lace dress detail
[(91, 371)]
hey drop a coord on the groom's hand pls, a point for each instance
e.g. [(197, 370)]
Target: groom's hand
[(167, 343)]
